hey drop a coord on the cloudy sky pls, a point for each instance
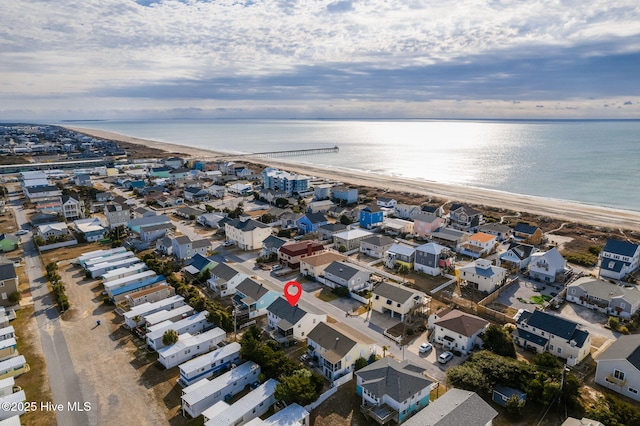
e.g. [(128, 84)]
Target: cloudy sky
[(100, 59)]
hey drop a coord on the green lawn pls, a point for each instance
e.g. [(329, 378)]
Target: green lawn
[(326, 295), (540, 299)]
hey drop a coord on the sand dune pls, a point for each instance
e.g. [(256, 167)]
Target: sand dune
[(575, 212)]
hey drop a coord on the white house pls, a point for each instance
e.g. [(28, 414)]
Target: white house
[(131, 319), (542, 332), (247, 235), (150, 233), (546, 266), (376, 245), (406, 211), (252, 405), (117, 215), (618, 259), (184, 247), (210, 219), (346, 275), (618, 367), (189, 346), (224, 279), (517, 256), (385, 202), (289, 323), (124, 272), (169, 317), (397, 300), (337, 347), (350, 238), (82, 260), (314, 266), (603, 296), (482, 275), (458, 331), (291, 415), (91, 229), (205, 393), (192, 324), (479, 244), (149, 295), (209, 364), (52, 230), (72, 208)]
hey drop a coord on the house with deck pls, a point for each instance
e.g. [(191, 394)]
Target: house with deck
[(347, 275), (603, 296), (376, 245), (252, 298), (184, 247), (482, 275), (618, 259), (479, 245), (465, 218), (547, 266), (618, 367), (395, 226), (189, 346), (271, 245), (501, 232), (371, 217), (224, 279), (528, 234), (400, 254), (517, 256), (72, 207), (310, 222), (291, 254), (452, 238), (350, 239), (433, 259), (291, 323), (248, 234), (314, 266), (91, 229), (458, 331), (344, 195), (397, 300), (406, 211), (209, 364), (425, 224), (392, 390)]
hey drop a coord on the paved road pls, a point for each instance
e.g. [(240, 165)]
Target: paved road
[(65, 386)]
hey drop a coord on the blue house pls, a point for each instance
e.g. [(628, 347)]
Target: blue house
[(310, 222), (501, 395), (252, 299), (371, 216), (136, 184), (393, 390)]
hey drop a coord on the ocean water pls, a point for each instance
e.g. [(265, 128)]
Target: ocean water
[(588, 161)]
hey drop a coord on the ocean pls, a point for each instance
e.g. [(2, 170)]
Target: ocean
[(586, 161)]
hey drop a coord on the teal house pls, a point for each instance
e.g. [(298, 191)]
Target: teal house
[(392, 391), (160, 172)]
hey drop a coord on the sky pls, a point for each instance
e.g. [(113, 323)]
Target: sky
[(142, 59)]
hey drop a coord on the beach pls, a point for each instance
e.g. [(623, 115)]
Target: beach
[(544, 207)]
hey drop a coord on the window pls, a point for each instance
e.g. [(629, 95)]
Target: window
[(618, 374), (559, 350), (398, 305), (389, 302), (632, 390), (377, 298), (550, 347)]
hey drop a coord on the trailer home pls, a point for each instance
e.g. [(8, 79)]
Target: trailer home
[(119, 295), (13, 367), (193, 324), (8, 348), (7, 332), (172, 315), (112, 257), (252, 405), (189, 346), (204, 393), (149, 295), (150, 308), (124, 272), (82, 260), (209, 365), (99, 269)]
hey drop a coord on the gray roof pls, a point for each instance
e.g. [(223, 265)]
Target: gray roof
[(449, 234), (149, 220), (289, 315), (395, 292), (398, 380), (39, 189), (188, 211), (183, 239), (333, 227), (337, 344), (316, 217), (426, 217), (252, 290), (525, 228), (155, 227), (203, 242), (247, 225), (224, 271), (521, 251), (7, 271), (605, 290), (273, 242), (402, 249), (454, 408), (342, 270), (468, 210), (378, 240), (625, 347)]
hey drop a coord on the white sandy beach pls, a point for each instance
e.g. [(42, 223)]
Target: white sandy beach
[(574, 212)]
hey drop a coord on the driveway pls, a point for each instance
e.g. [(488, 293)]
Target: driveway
[(524, 290), (591, 320)]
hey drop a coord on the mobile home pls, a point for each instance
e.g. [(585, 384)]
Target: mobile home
[(7, 332), (98, 254), (252, 405), (194, 324), (189, 346), (208, 365), (13, 367), (172, 315), (124, 272), (150, 308), (118, 295), (125, 281), (98, 269), (112, 257), (8, 348), (150, 295)]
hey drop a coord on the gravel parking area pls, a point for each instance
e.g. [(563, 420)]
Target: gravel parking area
[(523, 291)]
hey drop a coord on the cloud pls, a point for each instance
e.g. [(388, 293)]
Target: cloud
[(628, 103), (340, 6)]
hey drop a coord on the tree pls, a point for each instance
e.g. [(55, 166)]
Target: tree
[(514, 406), (342, 248), (547, 360), (614, 322), (208, 208), (345, 220), (403, 269), (498, 341), (169, 337), (299, 387), (360, 363), (281, 202), (384, 351), (267, 218), (14, 297)]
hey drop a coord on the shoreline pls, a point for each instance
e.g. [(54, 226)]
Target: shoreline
[(560, 209)]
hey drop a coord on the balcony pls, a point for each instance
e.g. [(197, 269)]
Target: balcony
[(381, 414)]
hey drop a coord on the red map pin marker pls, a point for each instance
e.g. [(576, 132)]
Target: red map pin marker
[(292, 292)]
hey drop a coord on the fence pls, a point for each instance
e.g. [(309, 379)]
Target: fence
[(57, 245), (336, 384), (396, 339)]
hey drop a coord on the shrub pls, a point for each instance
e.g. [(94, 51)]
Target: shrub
[(614, 322), (14, 297), (514, 406), (341, 291), (360, 363)]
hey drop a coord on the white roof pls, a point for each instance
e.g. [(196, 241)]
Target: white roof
[(147, 306), (141, 266), (205, 387), (401, 249), (11, 421), (7, 330), (112, 257), (129, 279), (7, 383), (351, 234), (12, 362), (157, 330), (210, 358), (553, 258), (244, 405), (59, 226), (12, 398), (186, 340), (7, 343), (165, 314), (100, 253), (88, 225), (288, 416)]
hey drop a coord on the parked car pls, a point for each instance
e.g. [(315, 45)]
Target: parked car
[(425, 348), (277, 267), (227, 243), (22, 232), (445, 357)]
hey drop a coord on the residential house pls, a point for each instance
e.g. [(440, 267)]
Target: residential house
[(618, 367), (271, 195), (36, 193), (150, 233), (246, 409), (189, 346), (252, 299), (91, 229), (240, 189), (452, 238), (393, 390), (376, 245), (187, 212), (547, 266), (326, 232), (425, 224), (345, 275), (248, 234), (183, 247), (43, 219), (371, 217), (160, 172), (194, 194), (314, 266), (406, 211), (224, 279), (72, 208), (517, 256), (136, 316), (290, 254), (400, 254), (395, 226), (199, 264), (482, 275), (433, 259), (344, 195), (337, 347), (13, 367), (135, 224), (168, 201), (8, 242), (291, 415), (529, 234), (310, 222), (502, 232), (465, 218), (8, 282), (210, 364), (164, 245), (539, 332), (179, 174), (149, 295), (142, 212), (173, 162), (397, 300), (210, 219), (603, 296), (456, 407), (49, 205), (320, 206), (103, 197), (134, 185), (322, 191), (350, 239), (430, 208), (289, 220), (618, 259), (117, 215), (52, 230), (217, 191), (386, 202), (291, 323), (271, 245), (459, 331), (479, 245)]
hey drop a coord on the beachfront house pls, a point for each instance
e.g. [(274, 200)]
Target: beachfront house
[(376, 245), (452, 238), (290, 183), (605, 297), (517, 256), (540, 332), (482, 275), (547, 266), (618, 367), (248, 234), (292, 253), (397, 300), (459, 331), (399, 254), (406, 211), (502, 232), (371, 217), (393, 390), (465, 218), (526, 233), (337, 347), (425, 224), (618, 259), (291, 323), (342, 274), (343, 195), (433, 259), (386, 202), (224, 279), (314, 266)]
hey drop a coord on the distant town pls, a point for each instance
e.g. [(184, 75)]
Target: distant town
[(147, 286)]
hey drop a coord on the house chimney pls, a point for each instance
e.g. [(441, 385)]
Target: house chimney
[(309, 249)]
